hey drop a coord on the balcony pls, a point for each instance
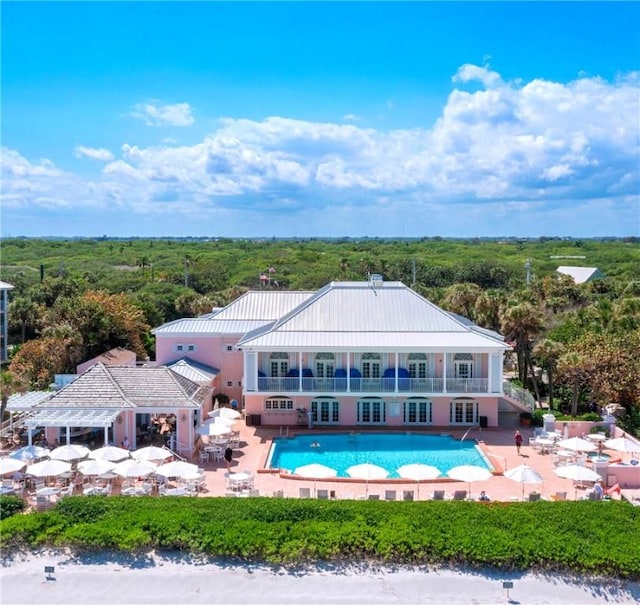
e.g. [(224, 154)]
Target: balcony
[(372, 385)]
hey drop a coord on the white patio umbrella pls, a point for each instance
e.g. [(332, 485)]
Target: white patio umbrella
[(49, 468), (597, 437), (213, 429), (151, 452), (523, 474), (110, 453), (315, 471), (577, 444), (368, 472), (11, 465), (469, 474), (69, 452), (225, 413), (178, 468), (134, 468), (576, 473), (622, 444), (224, 420), (30, 452), (418, 472), (95, 467)]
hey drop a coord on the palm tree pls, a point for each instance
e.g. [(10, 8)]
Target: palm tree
[(548, 352), (574, 368), (461, 298), (521, 323)]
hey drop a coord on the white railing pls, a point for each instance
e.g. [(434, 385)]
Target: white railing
[(519, 394)]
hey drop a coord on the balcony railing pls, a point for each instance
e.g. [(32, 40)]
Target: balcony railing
[(372, 385)]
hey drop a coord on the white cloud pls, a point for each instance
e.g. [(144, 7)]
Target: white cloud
[(156, 113), (102, 154), (351, 117), (546, 148)]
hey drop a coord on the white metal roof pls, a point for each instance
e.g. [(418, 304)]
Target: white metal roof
[(355, 315), (206, 327), (580, 275), (197, 372), (5, 286), (25, 401), (76, 417)]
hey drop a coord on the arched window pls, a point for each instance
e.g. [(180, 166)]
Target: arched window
[(278, 364), (417, 410), (463, 411), (325, 410), (371, 365), (325, 365), (371, 410), (278, 404), (418, 366)]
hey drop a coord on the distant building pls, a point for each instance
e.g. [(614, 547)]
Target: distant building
[(115, 357), (581, 275), (4, 318)]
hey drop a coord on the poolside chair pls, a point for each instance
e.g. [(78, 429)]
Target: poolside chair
[(459, 494), (305, 492), (438, 494), (534, 497), (323, 494), (559, 496), (407, 495), (389, 495), (278, 493), (374, 497)]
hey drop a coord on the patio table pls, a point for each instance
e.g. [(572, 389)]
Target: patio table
[(240, 480), (48, 491), (545, 444), (94, 490)]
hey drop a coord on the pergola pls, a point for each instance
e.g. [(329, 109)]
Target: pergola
[(85, 417)]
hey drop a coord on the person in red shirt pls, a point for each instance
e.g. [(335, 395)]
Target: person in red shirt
[(518, 440)]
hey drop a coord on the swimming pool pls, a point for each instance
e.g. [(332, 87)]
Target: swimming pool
[(388, 450)]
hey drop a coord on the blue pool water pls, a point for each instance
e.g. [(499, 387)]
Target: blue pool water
[(388, 450)]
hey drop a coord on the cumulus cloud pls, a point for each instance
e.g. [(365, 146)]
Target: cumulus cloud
[(547, 148), (102, 154), (156, 113)]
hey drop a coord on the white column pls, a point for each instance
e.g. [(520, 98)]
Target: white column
[(444, 372), (106, 435), (396, 363), (300, 371), (68, 434), (348, 372)]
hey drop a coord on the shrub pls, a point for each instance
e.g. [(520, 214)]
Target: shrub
[(10, 505)]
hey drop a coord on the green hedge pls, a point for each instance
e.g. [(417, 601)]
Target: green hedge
[(10, 505), (583, 537)]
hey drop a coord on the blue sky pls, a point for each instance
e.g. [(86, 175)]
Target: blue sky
[(320, 119)]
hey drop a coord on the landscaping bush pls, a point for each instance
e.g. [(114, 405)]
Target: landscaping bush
[(10, 505), (581, 537)]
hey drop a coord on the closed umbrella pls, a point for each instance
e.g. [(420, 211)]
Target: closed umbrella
[(69, 452), (523, 474), (315, 471), (151, 452), (30, 452), (134, 468), (469, 474), (49, 468), (368, 472), (418, 472), (95, 467), (622, 444), (11, 465), (110, 453), (577, 444)]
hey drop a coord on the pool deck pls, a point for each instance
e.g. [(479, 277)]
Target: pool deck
[(498, 444)]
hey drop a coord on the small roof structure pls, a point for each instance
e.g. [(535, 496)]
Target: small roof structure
[(194, 370), (115, 357), (581, 275)]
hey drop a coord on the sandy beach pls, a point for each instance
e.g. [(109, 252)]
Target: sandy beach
[(103, 579)]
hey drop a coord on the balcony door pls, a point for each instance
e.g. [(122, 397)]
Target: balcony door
[(371, 411), (463, 411)]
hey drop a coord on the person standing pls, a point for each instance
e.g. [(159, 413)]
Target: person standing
[(518, 440), (228, 456)]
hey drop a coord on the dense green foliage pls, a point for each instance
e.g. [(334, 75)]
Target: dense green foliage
[(100, 293), (10, 505), (584, 537)]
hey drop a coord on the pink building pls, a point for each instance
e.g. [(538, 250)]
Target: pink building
[(351, 354)]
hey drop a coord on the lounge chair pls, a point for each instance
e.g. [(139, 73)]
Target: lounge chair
[(534, 497), (559, 496), (407, 495), (438, 494), (390, 494), (374, 497), (459, 494), (323, 494)]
